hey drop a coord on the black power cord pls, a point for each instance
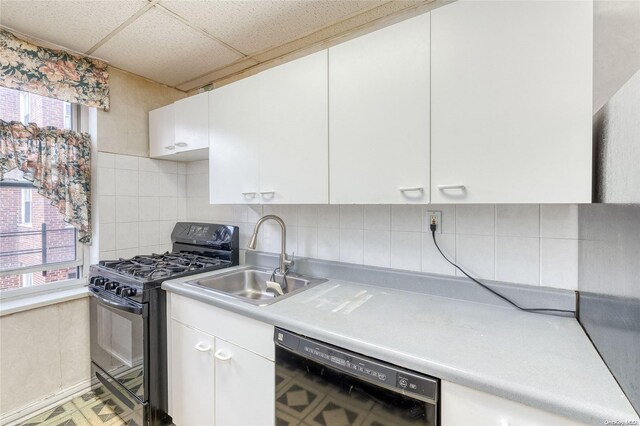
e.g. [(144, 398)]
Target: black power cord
[(533, 310)]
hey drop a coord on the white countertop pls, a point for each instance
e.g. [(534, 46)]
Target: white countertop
[(543, 361)]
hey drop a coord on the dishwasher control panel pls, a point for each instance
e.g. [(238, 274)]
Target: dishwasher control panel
[(358, 365)]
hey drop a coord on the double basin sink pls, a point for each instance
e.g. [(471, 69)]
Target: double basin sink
[(255, 285)]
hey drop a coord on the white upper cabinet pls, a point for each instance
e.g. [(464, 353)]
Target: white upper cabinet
[(235, 138), (192, 123), (268, 136), (511, 102), (161, 132), (180, 131), (379, 116), (294, 144)]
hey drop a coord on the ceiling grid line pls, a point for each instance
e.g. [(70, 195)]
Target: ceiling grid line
[(122, 26), (200, 30)]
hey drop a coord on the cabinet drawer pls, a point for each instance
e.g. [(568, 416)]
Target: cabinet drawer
[(247, 333)]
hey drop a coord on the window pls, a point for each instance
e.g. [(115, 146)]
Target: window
[(25, 210), (25, 107), (37, 247), (27, 280)]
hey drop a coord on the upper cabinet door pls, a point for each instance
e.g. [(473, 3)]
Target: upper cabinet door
[(192, 122), (234, 143), (511, 101), (161, 132), (379, 115), (294, 132)]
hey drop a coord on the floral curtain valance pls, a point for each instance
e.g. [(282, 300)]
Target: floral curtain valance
[(52, 73), (58, 162)]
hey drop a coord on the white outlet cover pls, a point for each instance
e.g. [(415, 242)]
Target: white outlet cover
[(427, 220)]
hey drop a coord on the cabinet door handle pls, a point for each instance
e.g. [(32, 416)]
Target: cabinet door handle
[(221, 356), (170, 147), (181, 144), (249, 194), (203, 347), (268, 194), (411, 189), (446, 187)]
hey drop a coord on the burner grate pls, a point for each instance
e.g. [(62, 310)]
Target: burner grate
[(165, 265)]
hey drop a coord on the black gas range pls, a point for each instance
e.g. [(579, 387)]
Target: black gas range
[(128, 318)]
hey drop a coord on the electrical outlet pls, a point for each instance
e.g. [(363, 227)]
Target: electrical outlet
[(434, 217)]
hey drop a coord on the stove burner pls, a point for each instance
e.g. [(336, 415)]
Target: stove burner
[(162, 265)]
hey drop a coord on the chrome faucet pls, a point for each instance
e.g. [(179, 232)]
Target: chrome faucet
[(285, 262)]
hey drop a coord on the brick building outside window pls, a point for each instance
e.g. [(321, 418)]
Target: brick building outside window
[(36, 245)]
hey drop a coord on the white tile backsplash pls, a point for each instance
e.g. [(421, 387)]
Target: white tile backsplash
[(432, 260), (126, 162), (329, 243), (126, 209), (518, 220), (351, 216), (106, 209), (127, 182), (406, 250), (476, 255), (377, 248), (406, 218), (377, 217), (514, 243), (126, 235), (475, 219), (559, 221), (139, 204), (518, 259), (559, 263), (351, 246)]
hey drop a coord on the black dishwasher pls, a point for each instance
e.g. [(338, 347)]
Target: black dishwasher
[(320, 384)]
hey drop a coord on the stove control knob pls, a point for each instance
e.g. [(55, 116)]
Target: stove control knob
[(98, 281), (126, 291), (111, 285)]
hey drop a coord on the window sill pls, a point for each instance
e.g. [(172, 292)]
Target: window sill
[(34, 301)]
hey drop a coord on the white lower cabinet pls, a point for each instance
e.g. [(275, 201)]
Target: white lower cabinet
[(245, 387), (462, 406), (192, 374), (221, 366)]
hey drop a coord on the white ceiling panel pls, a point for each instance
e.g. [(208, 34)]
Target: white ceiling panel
[(76, 25), (253, 26), (160, 47)]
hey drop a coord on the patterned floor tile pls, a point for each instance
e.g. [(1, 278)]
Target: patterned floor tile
[(297, 399), (335, 412), (102, 411), (282, 379), (284, 419), (59, 412), (74, 419)]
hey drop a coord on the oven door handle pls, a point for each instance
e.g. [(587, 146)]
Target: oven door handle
[(107, 301)]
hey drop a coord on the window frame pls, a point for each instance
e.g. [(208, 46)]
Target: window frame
[(23, 210), (79, 122)]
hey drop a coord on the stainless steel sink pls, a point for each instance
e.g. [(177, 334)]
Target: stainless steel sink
[(250, 284)]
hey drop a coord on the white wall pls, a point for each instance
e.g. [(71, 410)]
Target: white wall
[(139, 202), (527, 244), (43, 351)]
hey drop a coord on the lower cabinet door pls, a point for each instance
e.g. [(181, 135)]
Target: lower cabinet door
[(191, 385), (245, 387)]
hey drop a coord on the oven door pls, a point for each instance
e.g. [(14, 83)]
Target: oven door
[(118, 344)]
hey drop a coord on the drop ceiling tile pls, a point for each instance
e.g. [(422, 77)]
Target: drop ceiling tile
[(160, 47), (253, 26), (76, 25)]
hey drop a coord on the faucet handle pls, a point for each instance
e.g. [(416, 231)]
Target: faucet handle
[(290, 262)]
